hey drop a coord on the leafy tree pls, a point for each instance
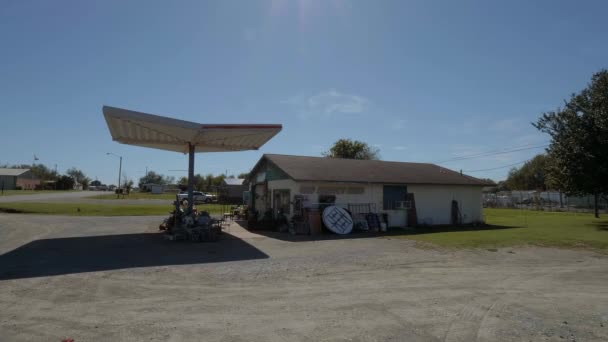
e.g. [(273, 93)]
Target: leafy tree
[(65, 183), (501, 186), (127, 185), (95, 183), (79, 176), (531, 176), (352, 149), (488, 180), (579, 140), (243, 175), (208, 183), (155, 178), (85, 183)]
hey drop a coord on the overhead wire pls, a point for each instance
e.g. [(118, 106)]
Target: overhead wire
[(493, 153), (499, 167)]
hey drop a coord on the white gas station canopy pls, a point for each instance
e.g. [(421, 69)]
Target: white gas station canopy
[(160, 132), (147, 130)]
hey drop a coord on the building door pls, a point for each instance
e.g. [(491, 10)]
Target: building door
[(281, 202), (394, 199)]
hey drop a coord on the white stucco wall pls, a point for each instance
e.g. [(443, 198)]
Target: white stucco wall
[(372, 193), (434, 203)]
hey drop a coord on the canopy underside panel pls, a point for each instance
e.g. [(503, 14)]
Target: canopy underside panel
[(147, 130)]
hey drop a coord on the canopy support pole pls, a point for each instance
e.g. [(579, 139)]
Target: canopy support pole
[(190, 177)]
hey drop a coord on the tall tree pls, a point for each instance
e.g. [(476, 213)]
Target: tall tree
[(530, 176), (154, 178), (65, 183), (352, 149), (579, 140), (79, 176), (127, 185)]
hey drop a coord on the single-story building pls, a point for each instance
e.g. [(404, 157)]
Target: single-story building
[(233, 189), (153, 188), (77, 186), (406, 194), (11, 179)]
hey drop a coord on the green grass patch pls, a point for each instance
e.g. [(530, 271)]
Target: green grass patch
[(135, 196), (31, 192), (511, 227), (88, 209)]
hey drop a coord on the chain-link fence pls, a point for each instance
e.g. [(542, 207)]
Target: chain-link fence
[(545, 200)]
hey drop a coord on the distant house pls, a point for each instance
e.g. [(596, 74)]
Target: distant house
[(153, 188), (77, 186), (11, 179), (171, 188), (407, 194), (234, 188)]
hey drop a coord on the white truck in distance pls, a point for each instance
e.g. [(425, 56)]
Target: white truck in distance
[(198, 197)]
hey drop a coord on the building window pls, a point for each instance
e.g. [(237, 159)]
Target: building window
[(355, 190), (330, 190), (282, 201), (393, 195), (307, 189)]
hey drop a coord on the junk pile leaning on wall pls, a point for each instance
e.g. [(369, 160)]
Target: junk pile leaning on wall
[(337, 220)]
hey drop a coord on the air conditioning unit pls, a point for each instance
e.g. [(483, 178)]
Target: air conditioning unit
[(403, 205)]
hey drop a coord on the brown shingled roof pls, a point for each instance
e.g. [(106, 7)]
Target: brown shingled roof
[(368, 171)]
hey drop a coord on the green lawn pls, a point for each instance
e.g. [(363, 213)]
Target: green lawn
[(512, 227), (88, 209), (136, 195), (30, 192)]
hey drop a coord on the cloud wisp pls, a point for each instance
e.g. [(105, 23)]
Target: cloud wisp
[(330, 102)]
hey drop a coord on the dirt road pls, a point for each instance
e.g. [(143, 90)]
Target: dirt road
[(115, 279)]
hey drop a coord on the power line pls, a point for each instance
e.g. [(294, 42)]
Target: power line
[(499, 167), (493, 153)]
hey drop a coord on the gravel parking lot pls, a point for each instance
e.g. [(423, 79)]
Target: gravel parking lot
[(116, 279)]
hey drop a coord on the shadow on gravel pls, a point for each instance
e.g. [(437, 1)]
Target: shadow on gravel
[(49, 257), (326, 235)]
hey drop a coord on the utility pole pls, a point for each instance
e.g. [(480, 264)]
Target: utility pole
[(33, 164), (119, 171)]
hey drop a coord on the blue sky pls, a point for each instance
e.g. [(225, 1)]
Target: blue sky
[(423, 81)]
